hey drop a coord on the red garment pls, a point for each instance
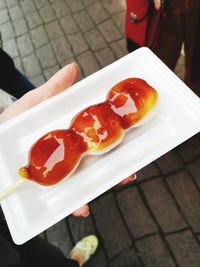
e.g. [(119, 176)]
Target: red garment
[(143, 22), (180, 26)]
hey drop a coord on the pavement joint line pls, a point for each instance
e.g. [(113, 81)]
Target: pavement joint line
[(177, 231), (178, 206), (146, 236), (173, 197), (80, 30), (193, 179), (15, 37), (161, 233), (96, 229), (121, 252), (59, 64), (100, 239), (185, 168), (69, 231), (136, 182), (89, 48), (133, 240), (190, 160), (72, 10), (97, 26)]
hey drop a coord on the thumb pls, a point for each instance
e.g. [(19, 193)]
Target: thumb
[(63, 79)]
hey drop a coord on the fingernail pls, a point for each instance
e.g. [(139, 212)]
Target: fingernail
[(77, 66), (72, 65), (134, 177), (86, 214)]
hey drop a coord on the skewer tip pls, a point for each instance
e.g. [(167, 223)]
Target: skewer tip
[(23, 172)]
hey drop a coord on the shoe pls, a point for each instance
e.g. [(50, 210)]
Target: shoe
[(86, 247)]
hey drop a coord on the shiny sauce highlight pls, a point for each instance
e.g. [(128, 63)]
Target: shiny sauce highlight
[(57, 154)]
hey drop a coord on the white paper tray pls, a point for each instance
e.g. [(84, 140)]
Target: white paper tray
[(33, 208)]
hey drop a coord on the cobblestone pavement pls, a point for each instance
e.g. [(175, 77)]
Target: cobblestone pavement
[(154, 222)]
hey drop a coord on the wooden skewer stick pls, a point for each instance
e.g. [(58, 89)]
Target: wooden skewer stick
[(11, 188)]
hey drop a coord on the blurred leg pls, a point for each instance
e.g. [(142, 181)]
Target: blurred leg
[(23, 85), (172, 33), (192, 44), (11, 80), (37, 252), (131, 46)]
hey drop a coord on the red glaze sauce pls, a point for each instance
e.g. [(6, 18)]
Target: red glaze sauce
[(54, 156), (57, 153), (132, 99), (99, 126)]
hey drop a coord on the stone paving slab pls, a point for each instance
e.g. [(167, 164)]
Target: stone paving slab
[(165, 208), (187, 197), (152, 222), (138, 219), (155, 252), (185, 248)]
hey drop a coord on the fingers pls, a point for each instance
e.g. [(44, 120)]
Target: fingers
[(128, 179), (157, 4), (84, 211), (63, 79)]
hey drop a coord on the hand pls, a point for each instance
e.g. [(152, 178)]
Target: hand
[(63, 79), (157, 4)]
